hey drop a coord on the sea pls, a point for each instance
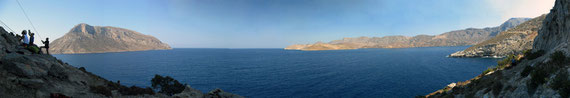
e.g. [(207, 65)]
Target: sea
[(277, 73)]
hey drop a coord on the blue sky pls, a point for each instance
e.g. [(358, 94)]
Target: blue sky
[(266, 23)]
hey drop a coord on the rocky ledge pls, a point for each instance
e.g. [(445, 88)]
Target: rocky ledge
[(27, 75)]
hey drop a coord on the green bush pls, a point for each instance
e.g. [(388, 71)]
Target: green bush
[(525, 52), (558, 57), (538, 77), (504, 62), (488, 70), (167, 85), (562, 84), (526, 71), (534, 55)]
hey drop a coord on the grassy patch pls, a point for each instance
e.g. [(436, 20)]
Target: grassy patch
[(488, 70)]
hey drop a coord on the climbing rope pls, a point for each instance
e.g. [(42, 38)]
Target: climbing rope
[(6, 25), (30, 21)]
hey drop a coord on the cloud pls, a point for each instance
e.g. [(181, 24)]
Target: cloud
[(521, 8)]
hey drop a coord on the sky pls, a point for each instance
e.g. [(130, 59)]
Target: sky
[(265, 23)]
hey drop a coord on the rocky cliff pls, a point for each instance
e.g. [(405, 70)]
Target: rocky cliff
[(469, 36), (512, 41), (27, 75), (84, 38), (542, 73)]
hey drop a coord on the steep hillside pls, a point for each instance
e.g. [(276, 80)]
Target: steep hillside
[(27, 75), (84, 38), (469, 36), (542, 73), (512, 41)]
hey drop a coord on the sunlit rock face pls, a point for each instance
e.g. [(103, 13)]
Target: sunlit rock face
[(469, 36), (84, 38), (512, 41)]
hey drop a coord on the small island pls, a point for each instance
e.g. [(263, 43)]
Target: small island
[(84, 38)]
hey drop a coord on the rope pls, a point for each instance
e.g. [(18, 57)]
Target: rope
[(7, 26), (30, 21)]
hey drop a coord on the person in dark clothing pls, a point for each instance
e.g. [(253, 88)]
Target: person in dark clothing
[(46, 45), (513, 62), (31, 39)]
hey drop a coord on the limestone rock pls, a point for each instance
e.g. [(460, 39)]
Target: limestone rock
[(510, 82), (512, 41), (468, 36), (84, 38)]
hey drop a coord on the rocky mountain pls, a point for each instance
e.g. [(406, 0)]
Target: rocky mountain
[(84, 38), (27, 75), (542, 73), (512, 41), (468, 36)]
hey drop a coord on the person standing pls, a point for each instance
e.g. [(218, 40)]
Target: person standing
[(46, 45), (25, 38), (31, 39)]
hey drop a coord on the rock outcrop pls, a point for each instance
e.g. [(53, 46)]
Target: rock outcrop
[(27, 75), (543, 73), (469, 36), (512, 41), (84, 38)]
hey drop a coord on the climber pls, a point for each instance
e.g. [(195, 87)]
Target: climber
[(46, 45), (513, 62), (31, 38)]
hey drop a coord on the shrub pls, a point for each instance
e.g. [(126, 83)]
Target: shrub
[(558, 57), (167, 85), (562, 84), (525, 52), (101, 90), (488, 70), (538, 77), (534, 55), (502, 63), (526, 71)]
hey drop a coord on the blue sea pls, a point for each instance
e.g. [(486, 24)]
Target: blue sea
[(259, 73)]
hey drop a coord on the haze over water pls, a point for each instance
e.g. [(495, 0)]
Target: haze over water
[(405, 72)]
